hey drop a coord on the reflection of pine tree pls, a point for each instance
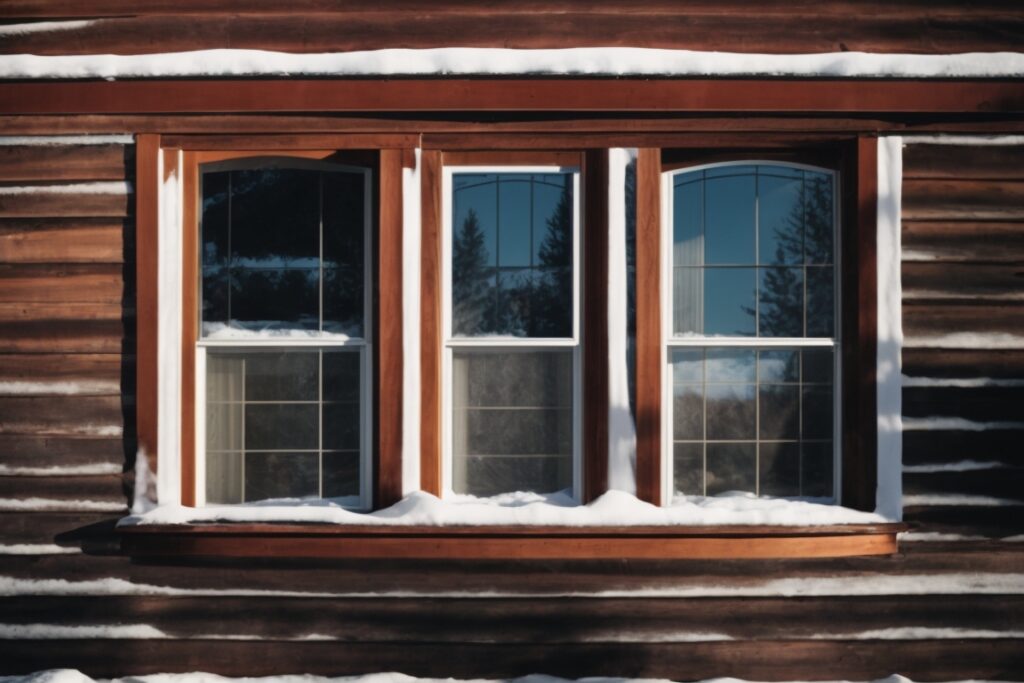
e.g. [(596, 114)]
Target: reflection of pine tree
[(472, 293), (805, 234), (551, 310)]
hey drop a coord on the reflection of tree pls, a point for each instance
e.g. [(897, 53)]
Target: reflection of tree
[(551, 309), (472, 295), (805, 236)]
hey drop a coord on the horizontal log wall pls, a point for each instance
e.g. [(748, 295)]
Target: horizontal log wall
[(935, 611), (963, 323), (122, 27)]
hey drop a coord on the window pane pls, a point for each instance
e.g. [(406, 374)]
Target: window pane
[(341, 474), (281, 426), (512, 421), (781, 297), (281, 475), (522, 224), (224, 477), (729, 220), (688, 468), (780, 220), (819, 219), (731, 467), (729, 301), (820, 302), (735, 408), (281, 376), (344, 219), (817, 466)]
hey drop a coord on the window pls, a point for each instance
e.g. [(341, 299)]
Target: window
[(283, 360), (752, 366), (511, 329)]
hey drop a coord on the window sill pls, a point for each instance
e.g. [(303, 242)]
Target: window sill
[(508, 542)]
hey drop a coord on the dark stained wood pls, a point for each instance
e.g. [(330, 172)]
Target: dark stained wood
[(744, 31), (530, 543), (75, 336), (965, 240), (949, 316), (967, 363), (42, 452), (147, 221), (61, 240), (68, 529), (189, 320), (962, 279), (107, 488), (615, 128), (38, 9), (998, 521), (973, 403), (94, 374), (292, 143), (859, 326), (62, 162), (64, 204), (772, 660), (61, 415), (511, 95), (389, 343), (59, 312), (594, 296), (942, 199), (486, 157), (649, 352), (961, 162), (947, 446), (93, 283), (517, 621), (430, 323), (1005, 482)]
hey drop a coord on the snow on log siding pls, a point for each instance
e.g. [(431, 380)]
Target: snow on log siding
[(963, 356)]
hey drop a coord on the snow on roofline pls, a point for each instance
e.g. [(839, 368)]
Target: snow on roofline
[(462, 61)]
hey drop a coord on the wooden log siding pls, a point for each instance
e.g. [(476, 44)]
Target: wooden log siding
[(123, 27), (963, 233)]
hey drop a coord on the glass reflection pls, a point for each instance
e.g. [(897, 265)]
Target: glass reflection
[(512, 254)]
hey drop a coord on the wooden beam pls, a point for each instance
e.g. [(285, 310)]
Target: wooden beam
[(190, 307), (521, 543), (513, 95), (388, 390), (649, 354), (595, 323), (147, 223), (430, 323)]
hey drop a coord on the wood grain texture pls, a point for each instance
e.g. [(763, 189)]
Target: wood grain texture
[(511, 95), (430, 323), (189, 318), (43, 452), (94, 374), (65, 336), (62, 240), (46, 204), (649, 353), (389, 346), (966, 240), (744, 30), (770, 660), (61, 415), (974, 162), (596, 397), (147, 222), (958, 199), (26, 163), (39, 283)]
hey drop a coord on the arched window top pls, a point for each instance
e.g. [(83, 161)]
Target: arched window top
[(753, 250)]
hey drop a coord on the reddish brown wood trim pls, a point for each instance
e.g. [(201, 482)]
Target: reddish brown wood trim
[(611, 132), (513, 94), (388, 391), (595, 323), (860, 329), (430, 323), (293, 142), (523, 543), (147, 224), (648, 325), (540, 157), (209, 156), (189, 323)]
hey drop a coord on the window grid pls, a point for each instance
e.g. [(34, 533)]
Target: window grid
[(755, 342)]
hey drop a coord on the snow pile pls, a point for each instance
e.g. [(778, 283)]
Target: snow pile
[(266, 330), (462, 61), (614, 508)]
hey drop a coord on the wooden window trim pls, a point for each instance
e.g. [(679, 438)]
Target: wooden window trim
[(856, 161), (387, 165)]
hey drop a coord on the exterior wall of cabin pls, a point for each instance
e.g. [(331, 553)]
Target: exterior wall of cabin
[(948, 606)]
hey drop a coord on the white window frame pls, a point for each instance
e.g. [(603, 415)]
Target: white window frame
[(669, 342), (449, 343), (364, 501)]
